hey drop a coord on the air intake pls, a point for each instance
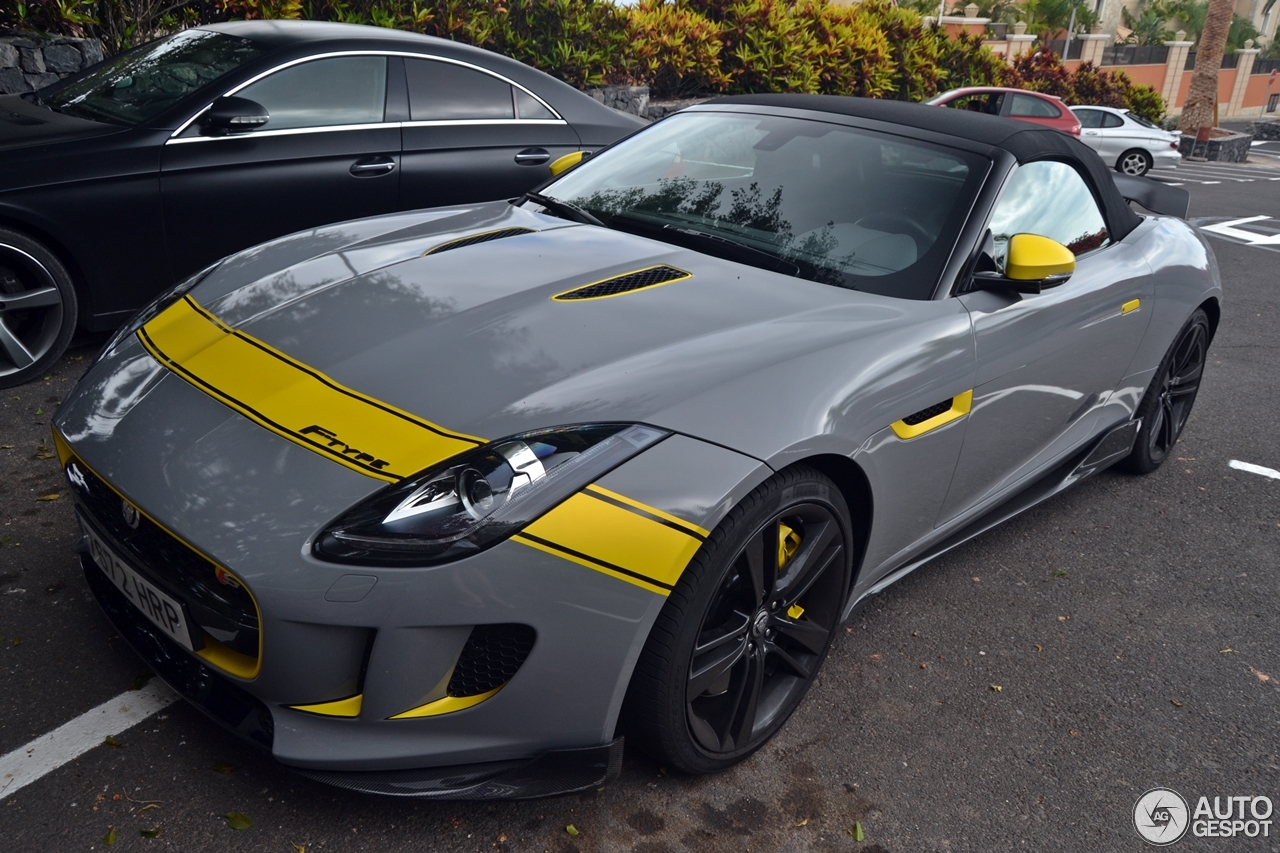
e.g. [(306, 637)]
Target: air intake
[(490, 658), (924, 414), (483, 237), (625, 283)]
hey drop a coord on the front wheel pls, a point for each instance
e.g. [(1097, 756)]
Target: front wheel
[(741, 637), (1134, 162), (1167, 404), (37, 308)]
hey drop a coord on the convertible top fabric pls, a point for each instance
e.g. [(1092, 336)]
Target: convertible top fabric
[(1025, 141)]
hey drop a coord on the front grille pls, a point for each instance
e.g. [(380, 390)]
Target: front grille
[(478, 238), (618, 285), (222, 608), (924, 414), (490, 658)]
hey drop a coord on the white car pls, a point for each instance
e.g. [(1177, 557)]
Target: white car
[(1126, 141)]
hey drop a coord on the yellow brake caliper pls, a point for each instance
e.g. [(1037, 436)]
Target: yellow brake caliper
[(788, 545)]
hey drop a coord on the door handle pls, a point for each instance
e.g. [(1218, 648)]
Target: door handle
[(372, 167), (533, 157)]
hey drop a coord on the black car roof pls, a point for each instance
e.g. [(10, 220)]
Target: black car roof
[(283, 33), (1025, 141)]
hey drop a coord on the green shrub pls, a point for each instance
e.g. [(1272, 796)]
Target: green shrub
[(674, 49)]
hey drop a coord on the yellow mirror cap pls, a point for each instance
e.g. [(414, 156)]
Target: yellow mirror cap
[(567, 162), (1033, 258)]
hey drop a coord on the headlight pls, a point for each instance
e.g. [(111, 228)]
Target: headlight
[(479, 498), (161, 302)]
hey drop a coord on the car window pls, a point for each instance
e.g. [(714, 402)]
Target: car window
[(1029, 106), (982, 102), (1089, 118), (846, 206), (442, 91), (530, 107), (1140, 120), (1112, 120), (323, 93), (1048, 198)]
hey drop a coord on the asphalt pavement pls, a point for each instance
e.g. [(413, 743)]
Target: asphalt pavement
[(1019, 693)]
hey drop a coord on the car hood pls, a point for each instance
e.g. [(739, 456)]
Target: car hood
[(25, 125)]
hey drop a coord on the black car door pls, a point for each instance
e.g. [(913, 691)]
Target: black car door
[(474, 136), (326, 155)]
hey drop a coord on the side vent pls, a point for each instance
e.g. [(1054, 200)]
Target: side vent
[(490, 658), (625, 283), (927, 420), (924, 414), (483, 237)]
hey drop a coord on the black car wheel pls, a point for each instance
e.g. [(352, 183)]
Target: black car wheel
[(37, 308), (1167, 404), (1134, 162), (741, 637)]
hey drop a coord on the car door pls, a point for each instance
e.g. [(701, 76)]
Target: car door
[(325, 155), (473, 135), (1118, 137), (1090, 127), (1047, 362)]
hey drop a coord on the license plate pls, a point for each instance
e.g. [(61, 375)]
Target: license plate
[(163, 611)]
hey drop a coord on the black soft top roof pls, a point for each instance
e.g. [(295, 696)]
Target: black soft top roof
[(1025, 141)]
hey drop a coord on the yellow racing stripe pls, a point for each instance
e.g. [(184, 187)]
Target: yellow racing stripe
[(293, 400)]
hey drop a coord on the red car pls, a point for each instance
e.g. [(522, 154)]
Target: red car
[(1034, 107)]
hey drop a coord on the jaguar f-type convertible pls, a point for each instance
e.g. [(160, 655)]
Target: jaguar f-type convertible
[(447, 503)]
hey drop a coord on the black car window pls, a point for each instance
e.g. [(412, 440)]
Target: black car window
[(827, 202), (442, 91), (981, 102), (1112, 120), (1089, 118), (1048, 198), (530, 107), (1029, 106), (1140, 120), (136, 86), (323, 93)]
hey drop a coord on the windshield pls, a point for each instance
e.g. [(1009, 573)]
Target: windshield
[(830, 203), (139, 85)]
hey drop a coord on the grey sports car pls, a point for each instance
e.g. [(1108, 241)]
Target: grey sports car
[(447, 503)]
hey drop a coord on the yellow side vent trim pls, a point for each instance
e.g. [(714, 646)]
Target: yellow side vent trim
[(960, 405), (1131, 306), (349, 707), (228, 659), (447, 705)]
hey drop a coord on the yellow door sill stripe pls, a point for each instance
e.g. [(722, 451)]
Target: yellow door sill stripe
[(349, 707), (960, 405), (447, 705), (1130, 306), (293, 400)]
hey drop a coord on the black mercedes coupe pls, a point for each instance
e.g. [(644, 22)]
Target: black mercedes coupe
[(134, 174)]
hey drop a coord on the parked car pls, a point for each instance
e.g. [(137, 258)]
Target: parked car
[(130, 176), (1020, 104), (1126, 141), (443, 504)]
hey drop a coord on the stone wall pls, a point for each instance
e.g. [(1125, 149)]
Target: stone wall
[(1232, 148), (635, 100), (29, 62), (1268, 129)]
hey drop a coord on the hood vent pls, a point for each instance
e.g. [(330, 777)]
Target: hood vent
[(625, 283), (483, 237)]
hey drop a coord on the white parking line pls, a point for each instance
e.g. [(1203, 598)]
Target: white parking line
[(1255, 469), (69, 741)]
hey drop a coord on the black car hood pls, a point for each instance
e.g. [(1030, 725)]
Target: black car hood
[(25, 125)]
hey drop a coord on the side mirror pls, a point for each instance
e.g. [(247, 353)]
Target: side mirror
[(1032, 264), (234, 115), (563, 164)]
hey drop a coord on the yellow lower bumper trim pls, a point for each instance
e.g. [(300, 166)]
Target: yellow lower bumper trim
[(447, 705), (349, 707)]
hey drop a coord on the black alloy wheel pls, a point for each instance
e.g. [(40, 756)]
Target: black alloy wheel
[(743, 635), (37, 308), (1167, 404)]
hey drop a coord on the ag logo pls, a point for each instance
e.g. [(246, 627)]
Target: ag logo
[(130, 513), (1161, 816)]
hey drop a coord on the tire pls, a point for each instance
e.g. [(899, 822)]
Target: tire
[(1134, 162), (1167, 403), (739, 641), (38, 308)]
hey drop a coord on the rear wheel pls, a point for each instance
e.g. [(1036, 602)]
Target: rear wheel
[(38, 308), (1167, 404), (741, 637), (1134, 162)]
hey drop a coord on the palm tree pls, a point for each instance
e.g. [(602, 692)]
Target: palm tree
[(1201, 108)]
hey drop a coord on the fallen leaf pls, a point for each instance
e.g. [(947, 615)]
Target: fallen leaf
[(110, 837), (856, 832), (1227, 651), (298, 847), (1060, 573), (1039, 647), (46, 455), (1262, 676), (6, 447), (6, 540), (572, 830), (149, 806), (502, 837), (150, 833), (875, 657), (40, 409), (235, 820), (224, 768), (76, 358), (1176, 703), (141, 681), (1074, 732), (49, 497), (804, 822), (996, 688), (1064, 618), (111, 742), (116, 797), (17, 641), (976, 579)]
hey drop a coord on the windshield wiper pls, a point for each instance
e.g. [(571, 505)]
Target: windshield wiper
[(712, 244), (562, 208)]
